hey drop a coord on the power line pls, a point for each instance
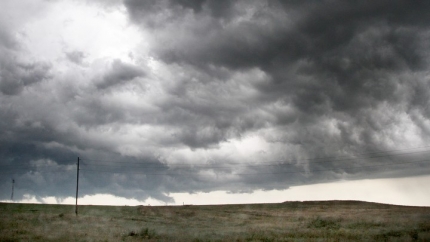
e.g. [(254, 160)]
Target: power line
[(42, 168), (256, 173), (291, 160), (31, 166), (370, 155), (274, 163)]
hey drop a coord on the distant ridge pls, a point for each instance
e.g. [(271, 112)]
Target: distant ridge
[(344, 202)]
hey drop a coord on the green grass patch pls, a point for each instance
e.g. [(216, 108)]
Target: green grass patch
[(324, 223), (295, 221)]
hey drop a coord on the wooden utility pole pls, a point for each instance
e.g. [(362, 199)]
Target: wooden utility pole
[(13, 183), (77, 189)]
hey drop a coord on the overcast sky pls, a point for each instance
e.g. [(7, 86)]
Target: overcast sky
[(161, 99)]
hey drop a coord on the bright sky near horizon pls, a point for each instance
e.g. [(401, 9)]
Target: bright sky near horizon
[(208, 102)]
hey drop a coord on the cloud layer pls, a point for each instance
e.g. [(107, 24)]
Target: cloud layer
[(217, 95)]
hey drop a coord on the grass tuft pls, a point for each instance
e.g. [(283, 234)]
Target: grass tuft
[(324, 223), (144, 233)]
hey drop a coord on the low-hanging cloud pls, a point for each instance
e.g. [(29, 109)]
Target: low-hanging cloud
[(119, 72), (15, 74), (76, 57), (320, 58), (226, 95)]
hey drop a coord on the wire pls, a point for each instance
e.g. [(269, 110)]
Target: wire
[(258, 173), (318, 158), (379, 154), (274, 163), (39, 169), (31, 166)]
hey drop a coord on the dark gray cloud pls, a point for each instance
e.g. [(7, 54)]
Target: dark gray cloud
[(119, 73), (320, 57), (228, 95), (339, 61), (6, 40), (15, 74), (76, 57)]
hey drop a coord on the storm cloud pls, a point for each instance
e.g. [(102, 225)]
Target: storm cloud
[(76, 57), (216, 95), (118, 73)]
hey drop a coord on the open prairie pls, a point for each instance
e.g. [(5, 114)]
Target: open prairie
[(289, 221)]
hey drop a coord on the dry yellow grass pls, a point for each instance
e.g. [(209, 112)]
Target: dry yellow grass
[(290, 221)]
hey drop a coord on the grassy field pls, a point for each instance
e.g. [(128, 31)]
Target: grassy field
[(290, 221)]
